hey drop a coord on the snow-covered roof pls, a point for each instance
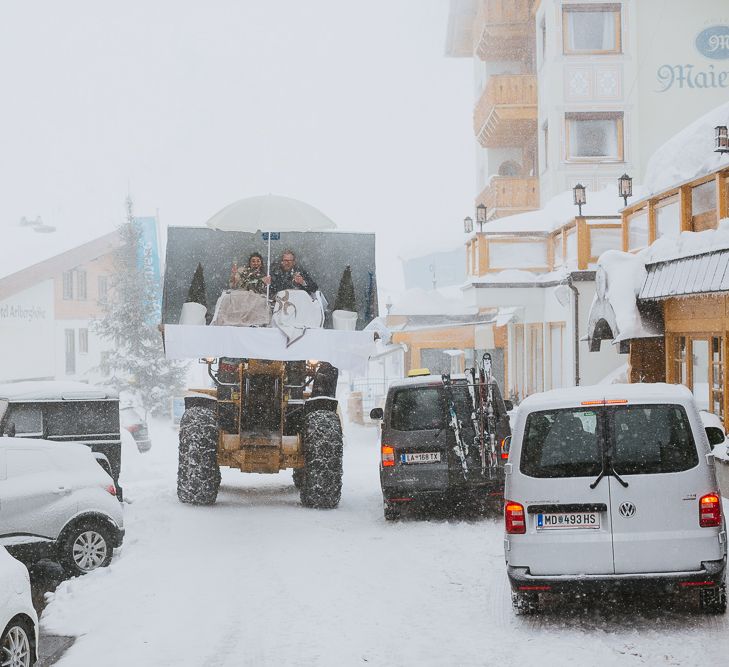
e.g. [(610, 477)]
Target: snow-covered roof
[(559, 210), (688, 154), (24, 247), (54, 390), (443, 301)]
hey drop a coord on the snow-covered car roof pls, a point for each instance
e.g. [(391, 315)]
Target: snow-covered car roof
[(54, 390), (52, 445), (632, 393)]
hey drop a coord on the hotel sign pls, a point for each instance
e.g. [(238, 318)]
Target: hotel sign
[(712, 43)]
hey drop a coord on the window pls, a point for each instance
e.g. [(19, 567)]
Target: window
[(70, 348), (81, 285), (556, 347), (535, 377), (27, 419), (698, 363), (562, 443), (424, 408), (68, 284), (638, 230), (557, 254), (717, 376), (571, 244), (83, 341), (591, 28), (594, 136), (103, 289), (703, 206), (680, 370), (652, 439), (602, 238), (668, 219), (518, 255)]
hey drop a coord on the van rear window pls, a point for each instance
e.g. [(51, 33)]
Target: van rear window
[(652, 439), (638, 439), (562, 443), (424, 408)]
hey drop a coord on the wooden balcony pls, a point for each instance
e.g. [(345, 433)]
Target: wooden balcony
[(506, 113), (507, 195), (504, 30)]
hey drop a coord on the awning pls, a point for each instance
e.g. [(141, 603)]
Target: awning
[(697, 274)]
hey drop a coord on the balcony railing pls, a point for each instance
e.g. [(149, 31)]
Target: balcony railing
[(504, 30), (506, 113), (507, 195)]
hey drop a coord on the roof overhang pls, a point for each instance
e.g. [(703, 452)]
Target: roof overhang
[(705, 273)]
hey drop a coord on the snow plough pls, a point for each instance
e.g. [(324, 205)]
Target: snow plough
[(273, 359)]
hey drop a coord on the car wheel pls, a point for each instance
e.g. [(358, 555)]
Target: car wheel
[(392, 512), (524, 604), (713, 600), (16, 649), (87, 547)]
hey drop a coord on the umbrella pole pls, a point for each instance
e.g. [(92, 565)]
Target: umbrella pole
[(268, 266)]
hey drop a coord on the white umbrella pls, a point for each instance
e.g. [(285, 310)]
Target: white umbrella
[(270, 213)]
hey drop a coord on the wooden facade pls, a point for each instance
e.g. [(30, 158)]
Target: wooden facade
[(694, 349)]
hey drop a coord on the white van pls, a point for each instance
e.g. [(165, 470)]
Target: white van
[(613, 486)]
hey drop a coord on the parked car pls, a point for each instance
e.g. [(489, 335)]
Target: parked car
[(419, 462), (18, 619), (57, 502), (62, 411), (133, 422), (612, 487)]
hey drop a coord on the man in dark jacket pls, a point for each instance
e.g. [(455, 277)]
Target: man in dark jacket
[(289, 276)]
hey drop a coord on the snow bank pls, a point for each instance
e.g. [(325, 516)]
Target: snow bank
[(688, 154), (687, 244)]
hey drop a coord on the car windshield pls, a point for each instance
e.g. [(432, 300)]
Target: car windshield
[(562, 443), (652, 439), (425, 408)]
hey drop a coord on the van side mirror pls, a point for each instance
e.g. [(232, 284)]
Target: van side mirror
[(509, 405), (377, 413), (715, 435)]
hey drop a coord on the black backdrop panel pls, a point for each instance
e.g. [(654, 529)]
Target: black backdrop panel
[(323, 254)]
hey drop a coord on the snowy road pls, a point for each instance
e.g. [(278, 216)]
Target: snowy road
[(259, 580)]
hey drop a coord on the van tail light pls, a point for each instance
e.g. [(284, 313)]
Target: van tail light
[(111, 489), (514, 517), (388, 456), (504, 449), (710, 510)]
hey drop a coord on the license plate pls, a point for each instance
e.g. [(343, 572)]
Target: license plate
[(420, 457), (568, 520)]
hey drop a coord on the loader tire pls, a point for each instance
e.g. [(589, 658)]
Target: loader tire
[(321, 483), (198, 474)]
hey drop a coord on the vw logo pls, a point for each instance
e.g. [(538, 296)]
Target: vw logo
[(627, 510)]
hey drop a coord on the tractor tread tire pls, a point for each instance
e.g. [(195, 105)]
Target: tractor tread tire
[(321, 483), (198, 474)]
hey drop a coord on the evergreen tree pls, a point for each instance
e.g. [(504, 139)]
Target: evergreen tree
[(136, 363), (196, 293), (345, 294)]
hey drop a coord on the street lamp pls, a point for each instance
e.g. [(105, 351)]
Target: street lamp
[(625, 187), (580, 196), (721, 139), (468, 224), (481, 216)]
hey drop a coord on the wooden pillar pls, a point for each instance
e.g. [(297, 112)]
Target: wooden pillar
[(651, 221), (722, 196), (684, 199), (583, 244)]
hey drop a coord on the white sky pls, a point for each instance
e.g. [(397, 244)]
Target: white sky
[(350, 106)]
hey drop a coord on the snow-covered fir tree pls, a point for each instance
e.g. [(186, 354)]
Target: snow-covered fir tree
[(136, 362)]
